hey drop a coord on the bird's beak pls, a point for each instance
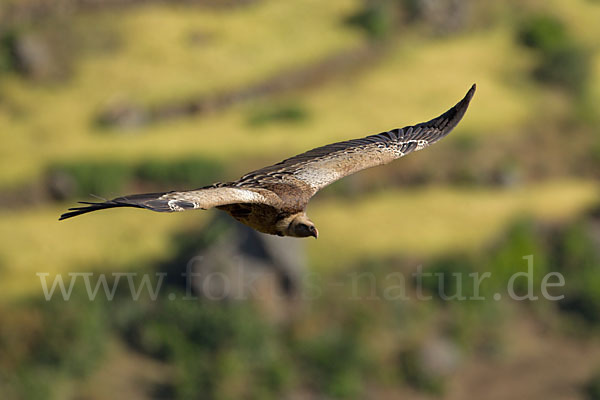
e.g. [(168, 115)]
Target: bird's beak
[(315, 233)]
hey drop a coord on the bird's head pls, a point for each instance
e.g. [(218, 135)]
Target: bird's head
[(301, 226)]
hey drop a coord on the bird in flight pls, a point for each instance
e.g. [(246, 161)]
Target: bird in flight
[(273, 199)]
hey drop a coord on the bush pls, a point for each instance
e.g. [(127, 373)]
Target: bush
[(191, 171), (544, 33), (7, 51), (563, 62), (335, 362), (507, 258), (375, 19), (100, 178), (595, 151), (44, 342), (219, 350), (568, 67), (578, 258), (592, 389), (74, 334), (83, 178), (450, 278), (576, 251), (291, 113)]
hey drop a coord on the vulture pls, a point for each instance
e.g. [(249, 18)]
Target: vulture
[(273, 199)]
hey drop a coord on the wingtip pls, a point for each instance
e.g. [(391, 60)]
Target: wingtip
[(470, 94), (448, 120), (461, 107)]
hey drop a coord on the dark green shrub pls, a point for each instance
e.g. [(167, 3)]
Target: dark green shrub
[(109, 178), (592, 389), (448, 278), (335, 362), (507, 258), (219, 350), (375, 19), (563, 62), (595, 151), (568, 67), (74, 333), (290, 113), (543, 32), (576, 251), (578, 258), (7, 51), (46, 341), (192, 171), (99, 178)]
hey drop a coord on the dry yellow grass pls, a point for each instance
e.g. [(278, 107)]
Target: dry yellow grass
[(581, 16), (157, 62), (417, 81), (419, 222), (432, 221), (34, 241), (232, 48)]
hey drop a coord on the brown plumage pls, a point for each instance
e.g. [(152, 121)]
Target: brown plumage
[(273, 199)]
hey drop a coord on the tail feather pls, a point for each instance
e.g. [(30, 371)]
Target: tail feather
[(149, 201)]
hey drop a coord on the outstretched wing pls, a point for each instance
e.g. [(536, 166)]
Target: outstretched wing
[(319, 167), (203, 198), (299, 176)]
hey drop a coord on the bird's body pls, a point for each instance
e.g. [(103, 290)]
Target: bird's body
[(273, 199), (263, 218)]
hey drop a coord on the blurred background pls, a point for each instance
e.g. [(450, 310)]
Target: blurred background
[(112, 97)]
